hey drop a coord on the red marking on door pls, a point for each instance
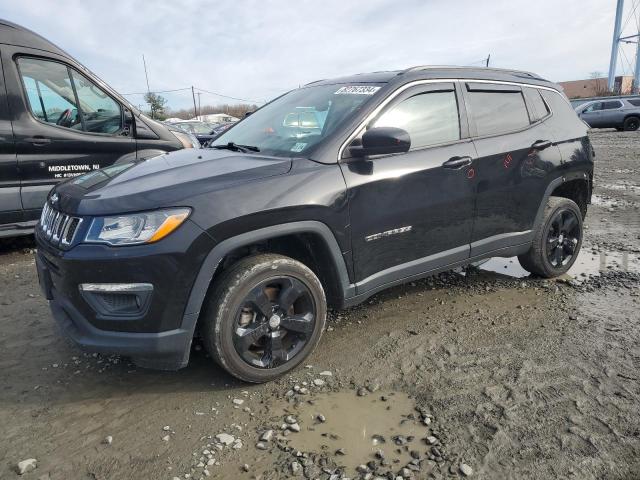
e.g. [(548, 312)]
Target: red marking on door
[(471, 173), (507, 161)]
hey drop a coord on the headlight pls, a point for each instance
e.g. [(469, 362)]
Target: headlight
[(136, 228), (186, 139)]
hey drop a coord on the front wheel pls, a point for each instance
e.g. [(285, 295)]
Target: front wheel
[(557, 239), (264, 316)]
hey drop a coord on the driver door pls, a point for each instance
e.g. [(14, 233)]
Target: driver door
[(64, 124)]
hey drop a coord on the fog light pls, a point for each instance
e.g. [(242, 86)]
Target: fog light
[(118, 300)]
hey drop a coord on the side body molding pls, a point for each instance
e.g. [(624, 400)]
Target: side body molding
[(210, 265)]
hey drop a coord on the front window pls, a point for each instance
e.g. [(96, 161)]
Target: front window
[(60, 96), (202, 128), (292, 124)]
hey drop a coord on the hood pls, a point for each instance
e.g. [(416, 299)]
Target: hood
[(168, 180)]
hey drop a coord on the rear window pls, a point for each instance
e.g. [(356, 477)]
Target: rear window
[(535, 104), (635, 102), (611, 105), (495, 111)]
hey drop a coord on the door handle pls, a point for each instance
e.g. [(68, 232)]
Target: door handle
[(541, 144), (457, 163), (38, 140)]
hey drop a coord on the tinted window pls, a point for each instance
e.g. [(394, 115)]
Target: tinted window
[(430, 118), (101, 113), (497, 112), (611, 105), (535, 104), (49, 92), (49, 87), (634, 102)]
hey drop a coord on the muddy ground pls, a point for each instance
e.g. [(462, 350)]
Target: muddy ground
[(511, 376)]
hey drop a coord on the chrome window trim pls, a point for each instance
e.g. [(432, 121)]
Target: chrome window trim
[(406, 86)]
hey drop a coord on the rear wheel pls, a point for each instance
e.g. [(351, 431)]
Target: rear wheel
[(557, 239), (264, 316), (631, 124)]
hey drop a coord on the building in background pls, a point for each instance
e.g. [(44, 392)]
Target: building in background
[(597, 87)]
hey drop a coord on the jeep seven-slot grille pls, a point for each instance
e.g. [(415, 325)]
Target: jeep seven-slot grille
[(59, 228)]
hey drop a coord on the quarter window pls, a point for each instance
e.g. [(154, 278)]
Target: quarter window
[(497, 111), (535, 104), (61, 96), (429, 118)]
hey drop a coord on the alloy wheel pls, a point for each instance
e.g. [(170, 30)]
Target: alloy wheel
[(563, 238), (274, 322)]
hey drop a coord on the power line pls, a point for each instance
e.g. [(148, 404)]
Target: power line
[(227, 96), (158, 91)]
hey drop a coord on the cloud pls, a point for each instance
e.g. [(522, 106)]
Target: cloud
[(258, 49)]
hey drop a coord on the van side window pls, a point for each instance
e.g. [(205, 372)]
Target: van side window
[(61, 96), (497, 111), (429, 118), (634, 102), (535, 104), (49, 92)]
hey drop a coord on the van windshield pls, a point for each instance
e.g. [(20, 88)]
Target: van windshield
[(292, 124)]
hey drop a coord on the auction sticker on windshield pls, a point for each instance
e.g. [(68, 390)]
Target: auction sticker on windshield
[(298, 147), (357, 90)]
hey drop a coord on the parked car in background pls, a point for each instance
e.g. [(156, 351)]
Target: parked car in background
[(618, 113), (203, 131), (59, 120), (249, 242)]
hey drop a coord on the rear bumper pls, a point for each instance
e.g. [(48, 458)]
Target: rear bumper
[(167, 350)]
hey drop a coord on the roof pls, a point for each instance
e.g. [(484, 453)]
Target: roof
[(435, 72), (12, 34)]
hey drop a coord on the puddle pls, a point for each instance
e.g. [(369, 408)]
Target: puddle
[(361, 426), (589, 263)]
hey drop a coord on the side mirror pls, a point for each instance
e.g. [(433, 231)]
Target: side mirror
[(382, 141)]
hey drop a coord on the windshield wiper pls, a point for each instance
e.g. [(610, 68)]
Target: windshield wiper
[(237, 148)]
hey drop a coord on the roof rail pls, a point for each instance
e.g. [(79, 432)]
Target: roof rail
[(518, 73)]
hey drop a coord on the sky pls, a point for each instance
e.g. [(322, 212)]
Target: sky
[(258, 49)]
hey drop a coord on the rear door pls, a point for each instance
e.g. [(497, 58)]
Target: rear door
[(64, 124), (10, 206), (611, 114), (516, 149)]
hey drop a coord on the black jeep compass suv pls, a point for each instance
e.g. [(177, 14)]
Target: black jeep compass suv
[(320, 198)]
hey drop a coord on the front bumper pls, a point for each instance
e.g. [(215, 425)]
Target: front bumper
[(160, 337)]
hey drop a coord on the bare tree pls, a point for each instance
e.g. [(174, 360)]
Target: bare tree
[(601, 89)]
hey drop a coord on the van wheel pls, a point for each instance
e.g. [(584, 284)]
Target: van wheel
[(263, 317), (631, 124), (557, 239)]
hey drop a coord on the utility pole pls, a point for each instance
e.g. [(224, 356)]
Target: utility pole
[(488, 58), (146, 75), (615, 46), (195, 110)]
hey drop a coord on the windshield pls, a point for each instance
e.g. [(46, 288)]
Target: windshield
[(293, 123)]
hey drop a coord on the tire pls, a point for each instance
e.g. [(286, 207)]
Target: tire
[(283, 336), (631, 124), (558, 234)]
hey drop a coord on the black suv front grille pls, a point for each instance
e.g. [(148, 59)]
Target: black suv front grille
[(57, 227)]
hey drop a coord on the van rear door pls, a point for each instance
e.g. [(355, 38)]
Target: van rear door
[(10, 206), (64, 123)]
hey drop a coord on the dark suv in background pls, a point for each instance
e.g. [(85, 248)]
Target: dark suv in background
[(404, 174), (619, 113), (58, 120)]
